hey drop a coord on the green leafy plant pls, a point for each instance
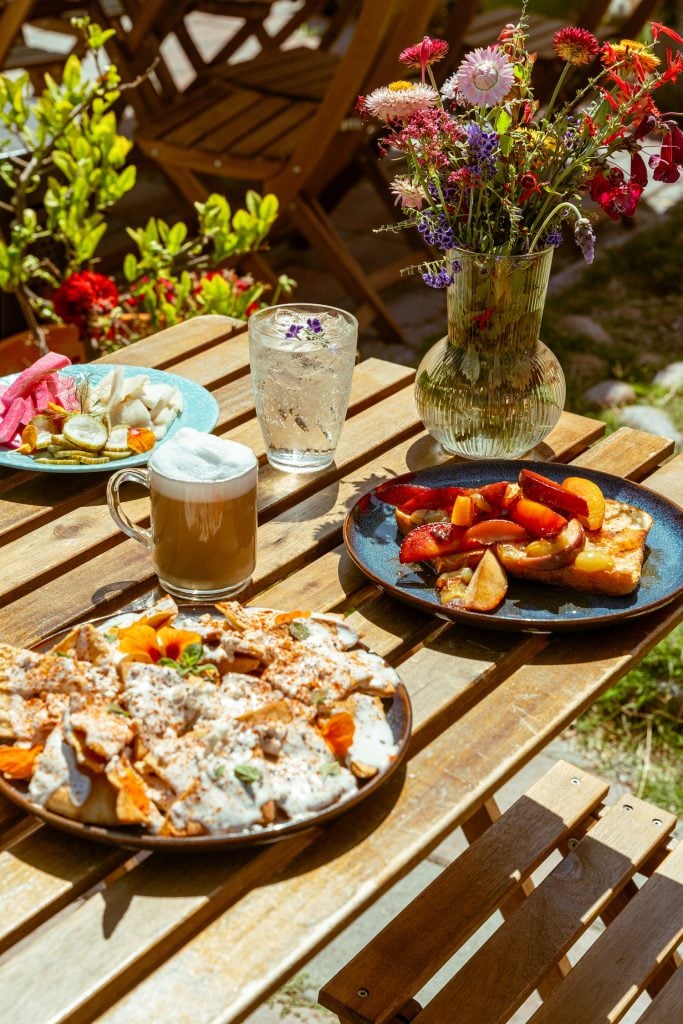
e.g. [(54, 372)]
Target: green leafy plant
[(63, 155), (63, 166)]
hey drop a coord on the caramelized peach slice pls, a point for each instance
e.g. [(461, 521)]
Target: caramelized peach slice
[(486, 589), (493, 531), (593, 497), (537, 519), (464, 512)]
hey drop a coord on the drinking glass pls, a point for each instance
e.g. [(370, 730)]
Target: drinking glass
[(203, 515), (302, 357)]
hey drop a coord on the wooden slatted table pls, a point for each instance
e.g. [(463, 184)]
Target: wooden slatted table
[(89, 933)]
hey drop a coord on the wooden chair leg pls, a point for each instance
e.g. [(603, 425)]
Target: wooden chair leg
[(313, 222), (474, 827)]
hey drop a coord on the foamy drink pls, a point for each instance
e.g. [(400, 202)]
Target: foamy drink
[(203, 521)]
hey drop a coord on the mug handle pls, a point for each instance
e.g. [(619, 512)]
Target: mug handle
[(137, 476)]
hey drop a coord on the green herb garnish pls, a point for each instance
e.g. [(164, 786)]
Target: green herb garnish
[(189, 662), (319, 697), (116, 709), (62, 654), (219, 771), (298, 630), (247, 773), (330, 768), (111, 637)]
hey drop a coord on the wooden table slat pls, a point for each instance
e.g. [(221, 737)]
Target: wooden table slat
[(167, 348)]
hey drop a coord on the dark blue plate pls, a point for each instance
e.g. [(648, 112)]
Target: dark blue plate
[(373, 542)]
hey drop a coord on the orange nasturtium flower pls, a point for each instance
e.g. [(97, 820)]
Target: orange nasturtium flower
[(140, 439), (146, 644), (18, 762), (338, 732)]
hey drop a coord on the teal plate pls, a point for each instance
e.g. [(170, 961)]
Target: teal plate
[(373, 542), (200, 410)]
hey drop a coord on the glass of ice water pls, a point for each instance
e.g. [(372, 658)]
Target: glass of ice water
[(302, 358)]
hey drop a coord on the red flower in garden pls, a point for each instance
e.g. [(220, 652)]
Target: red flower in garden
[(83, 296), (617, 197), (137, 298), (421, 55), (575, 45)]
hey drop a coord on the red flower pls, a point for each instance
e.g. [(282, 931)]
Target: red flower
[(137, 298), (529, 184), (666, 165), (638, 170), (575, 45), (617, 197), (658, 28), (421, 55), (83, 296)]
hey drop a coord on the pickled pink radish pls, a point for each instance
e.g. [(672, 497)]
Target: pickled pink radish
[(49, 363), (33, 391)]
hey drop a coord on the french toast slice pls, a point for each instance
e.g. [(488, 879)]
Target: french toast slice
[(621, 540)]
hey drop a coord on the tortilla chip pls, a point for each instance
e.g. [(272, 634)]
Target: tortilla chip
[(84, 643), (98, 809)]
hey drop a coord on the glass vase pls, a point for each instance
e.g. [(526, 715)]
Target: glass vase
[(492, 389)]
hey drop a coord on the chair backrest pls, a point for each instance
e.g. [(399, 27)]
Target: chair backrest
[(381, 30)]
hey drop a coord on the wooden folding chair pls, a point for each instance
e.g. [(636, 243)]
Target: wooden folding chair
[(36, 60), (602, 853), (289, 134)]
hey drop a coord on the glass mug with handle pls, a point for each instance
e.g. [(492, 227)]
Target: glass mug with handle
[(203, 514)]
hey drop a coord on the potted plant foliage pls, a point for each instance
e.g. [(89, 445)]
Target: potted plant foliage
[(63, 166)]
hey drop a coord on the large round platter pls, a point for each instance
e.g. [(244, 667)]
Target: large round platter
[(399, 716), (200, 410), (373, 542)]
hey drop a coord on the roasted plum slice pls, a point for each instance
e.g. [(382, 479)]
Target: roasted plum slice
[(537, 519), (431, 541), (548, 492)]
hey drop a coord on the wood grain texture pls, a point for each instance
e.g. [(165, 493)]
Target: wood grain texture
[(612, 973), (495, 982), (166, 348), (628, 453), (393, 967), (667, 1005)]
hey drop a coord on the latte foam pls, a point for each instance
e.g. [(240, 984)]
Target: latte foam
[(201, 460)]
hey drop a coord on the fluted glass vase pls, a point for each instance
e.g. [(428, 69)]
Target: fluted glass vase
[(492, 389)]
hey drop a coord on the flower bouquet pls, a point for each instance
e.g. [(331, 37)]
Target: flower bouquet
[(493, 182)]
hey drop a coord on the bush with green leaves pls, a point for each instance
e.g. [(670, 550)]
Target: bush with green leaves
[(62, 167)]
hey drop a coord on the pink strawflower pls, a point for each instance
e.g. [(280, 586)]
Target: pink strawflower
[(408, 193), (484, 77), (575, 45), (422, 55), (399, 99)]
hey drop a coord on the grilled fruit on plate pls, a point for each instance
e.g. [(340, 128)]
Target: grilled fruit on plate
[(565, 535)]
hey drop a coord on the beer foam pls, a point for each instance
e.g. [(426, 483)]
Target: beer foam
[(193, 457)]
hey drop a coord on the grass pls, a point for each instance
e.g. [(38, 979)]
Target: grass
[(635, 730)]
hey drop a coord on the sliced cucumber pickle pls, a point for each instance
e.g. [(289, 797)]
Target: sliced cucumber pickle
[(59, 462), (92, 460), (116, 454), (87, 432)]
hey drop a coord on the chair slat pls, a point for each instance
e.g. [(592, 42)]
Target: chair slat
[(393, 967), (615, 970), (495, 982), (665, 1008)]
